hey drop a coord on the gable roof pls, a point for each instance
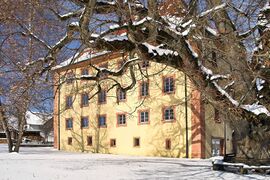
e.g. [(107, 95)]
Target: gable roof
[(87, 54)]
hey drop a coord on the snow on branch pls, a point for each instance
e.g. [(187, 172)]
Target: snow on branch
[(110, 38), (178, 26), (211, 31), (190, 48), (69, 15), (259, 84), (224, 93), (229, 85), (256, 109), (157, 50), (205, 13), (218, 76), (105, 2), (263, 21), (137, 23)]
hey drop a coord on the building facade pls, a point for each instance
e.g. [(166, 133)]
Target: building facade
[(162, 115)]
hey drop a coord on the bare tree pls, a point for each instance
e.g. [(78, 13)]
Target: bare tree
[(222, 47), (22, 88)]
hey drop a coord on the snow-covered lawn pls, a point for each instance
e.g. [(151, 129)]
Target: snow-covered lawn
[(47, 163)]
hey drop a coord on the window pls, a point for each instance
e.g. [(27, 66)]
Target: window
[(121, 95), (69, 123), (112, 142), (121, 119), (69, 102), (136, 142), (145, 64), (102, 97), (217, 147), (102, 121), (85, 100), (143, 117), (144, 90), (104, 66), (168, 85), (89, 141), (168, 114), (70, 77), (84, 71), (168, 144), (84, 122), (69, 140)]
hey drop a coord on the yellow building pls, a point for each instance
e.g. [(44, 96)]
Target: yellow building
[(162, 115)]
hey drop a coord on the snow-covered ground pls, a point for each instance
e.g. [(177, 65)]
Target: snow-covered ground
[(47, 163)]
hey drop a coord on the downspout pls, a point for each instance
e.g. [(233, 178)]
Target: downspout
[(225, 138), (186, 117), (58, 124)]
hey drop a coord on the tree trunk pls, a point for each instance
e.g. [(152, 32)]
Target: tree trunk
[(22, 123), (4, 124)]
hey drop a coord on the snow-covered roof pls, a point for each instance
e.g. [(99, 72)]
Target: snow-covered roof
[(79, 57), (36, 118)]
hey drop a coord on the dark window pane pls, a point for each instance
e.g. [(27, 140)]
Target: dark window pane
[(85, 122), (136, 142), (102, 96), (168, 144), (169, 114), (85, 99), (103, 66), (85, 71), (70, 77), (144, 117), (69, 102), (168, 85), (145, 89), (89, 140), (121, 118), (102, 121), (69, 140), (121, 95), (113, 142), (69, 123)]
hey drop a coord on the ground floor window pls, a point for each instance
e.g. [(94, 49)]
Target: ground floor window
[(168, 144), (89, 140), (3, 135), (113, 142), (69, 140), (136, 142)]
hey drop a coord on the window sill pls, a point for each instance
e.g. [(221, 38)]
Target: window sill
[(144, 123), (121, 125), (169, 92), (168, 120), (103, 126)]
